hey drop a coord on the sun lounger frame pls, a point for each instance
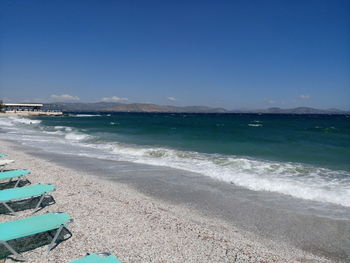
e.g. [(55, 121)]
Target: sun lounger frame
[(19, 178), (37, 207), (50, 246)]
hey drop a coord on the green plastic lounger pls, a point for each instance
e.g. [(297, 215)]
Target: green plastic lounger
[(14, 194), (103, 257), (3, 155), (12, 174), (33, 225)]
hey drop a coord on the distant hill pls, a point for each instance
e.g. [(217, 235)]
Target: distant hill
[(299, 110), (128, 107), (148, 107)]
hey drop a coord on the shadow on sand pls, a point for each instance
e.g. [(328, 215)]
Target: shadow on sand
[(27, 204), (33, 242)]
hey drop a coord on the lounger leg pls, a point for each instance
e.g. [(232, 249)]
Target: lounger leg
[(17, 183), (9, 208), (39, 203), (55, 237), (17, 255)]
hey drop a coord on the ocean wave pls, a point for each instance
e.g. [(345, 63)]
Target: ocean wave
[(294, 179), (4, 121), (68, 133), (297, 180), (255, 125), (54, 132), (74, 136), (11, 121), (87, 115), (25, 120), (64, 128)]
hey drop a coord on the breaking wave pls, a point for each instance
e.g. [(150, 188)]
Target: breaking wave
[(11, 121), (87, 115), (298, 180), (294, 179), (74, 136)]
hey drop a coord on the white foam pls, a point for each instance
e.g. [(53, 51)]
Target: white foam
[(297, 180), (54, 132), (74, 136), (11, 121), (24, 120), (254, 125), (87, 115), (59, 127), (6, 122), (292, 179), (64, 128)]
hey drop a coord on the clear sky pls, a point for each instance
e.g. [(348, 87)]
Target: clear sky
[(232, 54)]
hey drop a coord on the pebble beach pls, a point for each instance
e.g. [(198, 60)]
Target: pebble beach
[(114, 217)]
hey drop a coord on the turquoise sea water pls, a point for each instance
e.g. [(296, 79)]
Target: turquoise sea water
[(306, 156), (320, 140)]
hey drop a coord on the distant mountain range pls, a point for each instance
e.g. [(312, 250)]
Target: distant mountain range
[(147, 107), (299, 110), (128, 107)]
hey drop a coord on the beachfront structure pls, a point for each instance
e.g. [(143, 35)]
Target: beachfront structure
[(26, 109), (22, 107)]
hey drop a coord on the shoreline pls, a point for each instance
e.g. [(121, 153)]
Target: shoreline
[(30, 113), (136, 227)]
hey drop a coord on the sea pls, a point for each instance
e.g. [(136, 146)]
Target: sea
[(302, 156)]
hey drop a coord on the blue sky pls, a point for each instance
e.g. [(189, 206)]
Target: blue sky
[(232, 54)]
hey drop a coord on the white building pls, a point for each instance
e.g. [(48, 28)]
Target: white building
[(26, 109)]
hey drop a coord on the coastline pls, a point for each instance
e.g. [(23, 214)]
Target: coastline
[(29, 113), (114, 217)]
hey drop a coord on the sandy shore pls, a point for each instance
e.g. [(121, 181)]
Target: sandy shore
[(111, 216)]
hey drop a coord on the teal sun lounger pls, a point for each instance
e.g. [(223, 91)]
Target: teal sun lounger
[(102, 257), (14, 194), (12, 174), (33, 225)]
